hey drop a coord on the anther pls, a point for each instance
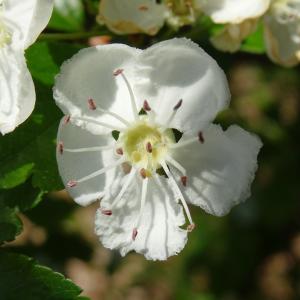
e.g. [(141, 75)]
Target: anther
[(60, 147), (146, 106), (92, 104), (143, 8), (106, 212), (178, 105), (143, 173), (134, 234), (191, 227), (119, 151), (183, 180), (71, 183), (67, 119), (118, 72), (149, 147), (201, 137)]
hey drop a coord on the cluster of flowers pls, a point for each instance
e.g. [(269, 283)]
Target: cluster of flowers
[(137, 134), (280, 18)]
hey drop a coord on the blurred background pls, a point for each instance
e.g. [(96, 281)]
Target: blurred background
[(251, 254)]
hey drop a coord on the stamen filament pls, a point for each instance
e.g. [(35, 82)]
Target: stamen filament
[(175, 109), (116, 116), (176, 164), (183, 143), (143, 201), (88, 149), (98, 123), (174, 183), (101, 171), (125, 186)]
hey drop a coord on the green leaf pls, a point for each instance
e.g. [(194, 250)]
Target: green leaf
[(255, 42), (68, 15), (10, 224), (22, 278), (30, 149)]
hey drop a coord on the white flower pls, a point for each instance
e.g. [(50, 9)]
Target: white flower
[(143, 176), (240, 19), (20, 24), (282, 32), (146, 16)]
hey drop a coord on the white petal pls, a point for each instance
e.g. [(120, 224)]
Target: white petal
[(159, 235), (89, 74), (220, 170), (17, 93), (126, 17), (75, 165), (282, 33), (179, 69), (26, 19), (234, 11)]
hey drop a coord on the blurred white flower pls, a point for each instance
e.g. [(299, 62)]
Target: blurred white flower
[(145, 174), (146, 16), (282, 32), (240, 19), (20, 24)]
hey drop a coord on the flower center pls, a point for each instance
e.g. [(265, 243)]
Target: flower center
[(145, 144)]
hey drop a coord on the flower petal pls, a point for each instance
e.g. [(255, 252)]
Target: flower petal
[(75, 165), (135, 16), (159, 235), (17, 96), (179, 69), (221, 169), (89, 74), (27, 19), (234, 11), (282, 33)]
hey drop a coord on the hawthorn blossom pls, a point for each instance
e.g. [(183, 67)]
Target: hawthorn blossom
[(137, 135), (282, 32), (146, 16), (20, 24), (239, 17)]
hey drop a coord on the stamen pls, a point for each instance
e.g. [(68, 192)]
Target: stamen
[(146, 106), (176, 164), (143, 201), (143, 173), (93, 106), (106, 212), (175, 109), (173, 182), (124, 187), (98, 123), (183, 180), (60, 147), (199, 138), (67, 119), (132, 97), (95, 174), (149, 147), (120, 151), (143, 8), (191, 227), (88, 149)]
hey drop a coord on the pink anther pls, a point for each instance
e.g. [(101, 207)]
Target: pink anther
[(143, 173), (143, 8), (60, 147), (106, 212), (120, 151), (134, 233), (67, 119), (118, 72), (183, 180), (146, 106), (191, 227), (178, 105), (149, 147), (71, 183), (92, 104), (201, 137)]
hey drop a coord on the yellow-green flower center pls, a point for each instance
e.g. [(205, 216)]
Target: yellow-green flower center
[(146, 145)]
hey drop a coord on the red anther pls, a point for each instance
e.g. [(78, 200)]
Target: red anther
[(134, 234), (118, 72), (119, 151), (183, 180), (177, 106), (191, 227), (143, 8), (71, 183), (106, 212), (92, 104), (67, 119), (143, 173), (149, 147), (200, 137), (60, 147), (146, 106)]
